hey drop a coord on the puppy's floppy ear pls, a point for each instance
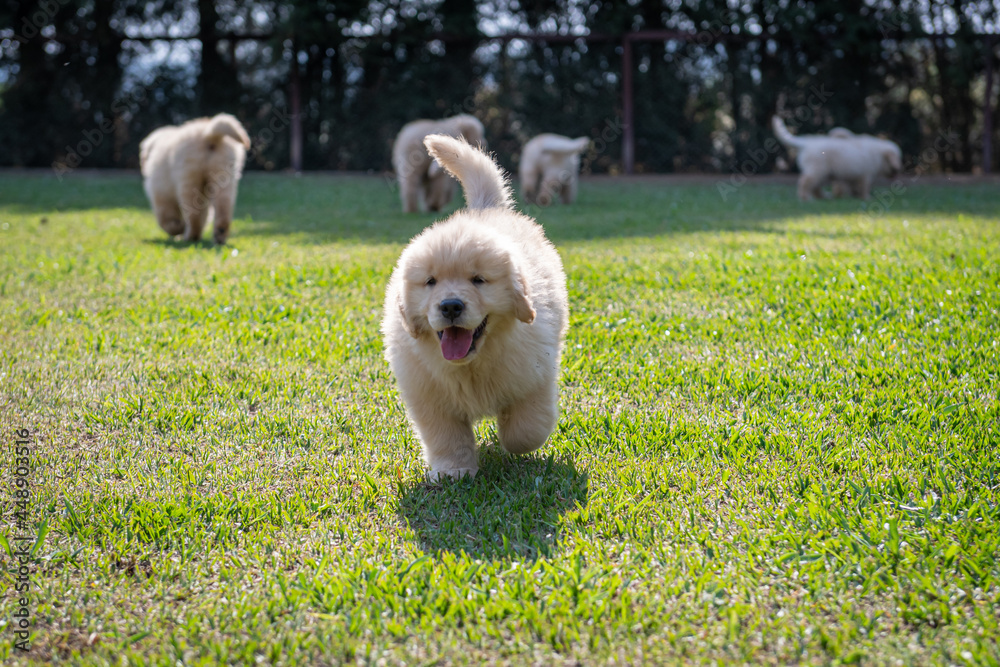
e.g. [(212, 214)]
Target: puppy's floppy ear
[(523, 309), (413, 325), (472, 130), (893, 162)]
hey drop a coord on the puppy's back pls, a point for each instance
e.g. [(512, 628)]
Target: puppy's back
[(149, 145), (410, 134), (214, 146), (220, 138), (413, 133), (558, 145)]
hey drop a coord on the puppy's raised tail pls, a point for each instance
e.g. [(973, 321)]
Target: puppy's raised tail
[(565, 146), (482, 180), (225, 125), (784, 136)]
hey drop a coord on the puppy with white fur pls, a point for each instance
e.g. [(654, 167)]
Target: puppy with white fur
[(423, 184), (550, 166), (191, 173), (474, 319), (853, 159), (841, 188)]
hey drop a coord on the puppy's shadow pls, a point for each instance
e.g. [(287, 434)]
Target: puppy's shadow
[(510, 509), (174, 244)]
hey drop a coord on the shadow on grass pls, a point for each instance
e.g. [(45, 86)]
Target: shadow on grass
[(176, 244), (511, 509)]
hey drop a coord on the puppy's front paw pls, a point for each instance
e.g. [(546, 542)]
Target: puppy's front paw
[(434, 476)]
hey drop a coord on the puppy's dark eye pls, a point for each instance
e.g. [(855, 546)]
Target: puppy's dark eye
[(431, 281), (478, 280)]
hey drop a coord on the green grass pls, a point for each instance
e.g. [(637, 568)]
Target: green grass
[(778, 442)]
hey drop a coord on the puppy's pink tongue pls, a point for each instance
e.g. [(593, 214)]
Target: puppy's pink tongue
[(455, 342)]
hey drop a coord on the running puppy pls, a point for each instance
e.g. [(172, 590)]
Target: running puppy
[(856, 160), (191, 172), (840, 188), (550, 166), (475, 314), (423, 184)]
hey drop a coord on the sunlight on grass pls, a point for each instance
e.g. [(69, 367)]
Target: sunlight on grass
[(778, 442)]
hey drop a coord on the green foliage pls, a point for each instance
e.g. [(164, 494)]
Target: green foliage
[(778, 440), (703, 98)]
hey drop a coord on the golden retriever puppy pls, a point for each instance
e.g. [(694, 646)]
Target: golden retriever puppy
[(191, 173), (475, 314), (423, 184), (856, 160), (550, 165), (840, 188)]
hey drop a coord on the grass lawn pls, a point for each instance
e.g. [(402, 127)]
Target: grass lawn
[(778, 441)]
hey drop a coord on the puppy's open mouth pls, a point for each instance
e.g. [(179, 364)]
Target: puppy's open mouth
[(457, 343)]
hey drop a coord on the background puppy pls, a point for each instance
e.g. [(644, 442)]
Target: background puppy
[(420, 178), (550, 165), (192, 171), (855, 160), (842, 188), (475, 314)]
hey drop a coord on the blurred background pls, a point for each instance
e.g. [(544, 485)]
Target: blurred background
[(326, 86)]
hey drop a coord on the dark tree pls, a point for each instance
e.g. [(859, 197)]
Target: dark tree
[(84, 81)]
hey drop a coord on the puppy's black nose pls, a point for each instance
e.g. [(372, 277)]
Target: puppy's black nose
[(452, 308)]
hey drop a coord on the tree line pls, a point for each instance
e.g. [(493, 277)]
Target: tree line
[(83, 81)]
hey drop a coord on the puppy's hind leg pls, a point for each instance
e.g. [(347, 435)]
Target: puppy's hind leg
[(568, 193), (806, 187), (194, 206), (862, 188), (811, 187), (168, 214), (547, 192), (409, 192), (449, 444), (224, 203), (529, 183), (526, 425)]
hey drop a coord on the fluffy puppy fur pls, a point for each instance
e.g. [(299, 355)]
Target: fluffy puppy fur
[(854, 160), (191, 173), (550, 165), (423, 184), (475, 314), (841, 188), (841, 133)]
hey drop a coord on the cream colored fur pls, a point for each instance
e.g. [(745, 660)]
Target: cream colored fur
[(854, 160), (841, 133), (424, 185), (550, 166), (191, 173), (509, 279), (842, 188)]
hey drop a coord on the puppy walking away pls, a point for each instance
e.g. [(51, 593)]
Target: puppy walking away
[(191, 173)]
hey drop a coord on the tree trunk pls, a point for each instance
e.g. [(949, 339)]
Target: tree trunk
[(218, 87)]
